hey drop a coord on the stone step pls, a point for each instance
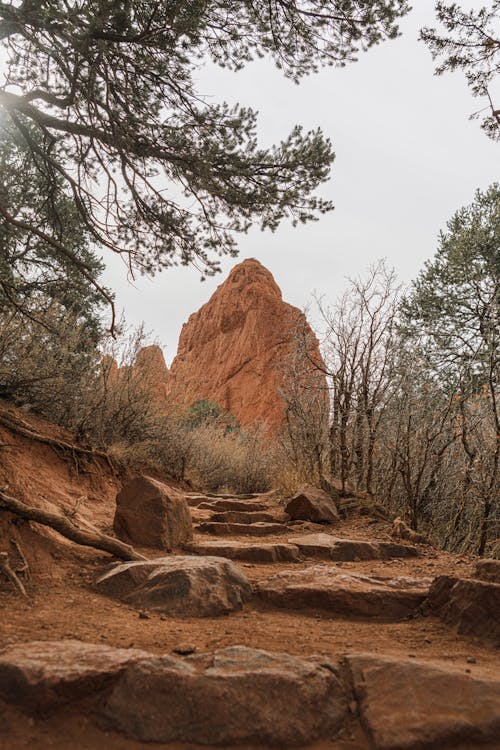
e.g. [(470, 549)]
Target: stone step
[(231, 697), (328, 547), (245, 697), (414, 705), (241, 529), (194, 501), (42, 676), (271, 552), (231, 496), (243, 505), (473, 607), (330, 589), (235, 516)]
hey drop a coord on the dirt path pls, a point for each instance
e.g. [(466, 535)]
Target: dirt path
[(65, 607)]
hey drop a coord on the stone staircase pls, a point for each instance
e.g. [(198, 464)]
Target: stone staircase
[(299, 576)]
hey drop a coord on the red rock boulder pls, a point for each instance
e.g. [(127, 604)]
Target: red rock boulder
[(312, 504), (230, 697), (152, 514), (412, 705), (473, 607), (40, 676)]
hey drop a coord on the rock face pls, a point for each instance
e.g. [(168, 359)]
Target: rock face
[(152, 514), (42, 675), (312, 504), (233, 696), (411, 705), (471, 606), (345, 594), (184, 586), (151, 371), (233, 349)]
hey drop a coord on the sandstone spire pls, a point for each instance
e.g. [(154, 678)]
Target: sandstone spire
[(233, 349)]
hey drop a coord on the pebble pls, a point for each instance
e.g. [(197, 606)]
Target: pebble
[(471, 660), (184, 649)]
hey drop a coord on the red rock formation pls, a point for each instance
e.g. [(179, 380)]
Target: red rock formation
[(233, 350), (151, 370)]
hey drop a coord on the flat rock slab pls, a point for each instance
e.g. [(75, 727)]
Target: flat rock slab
[(327, 547), (181, 586), (235, 695), (40, 676), (473, 607), (345, 594), (250, 552), (246, 506), (488, 570), (241, 529), (194, 501), (229, 496), (411, 705), (238, 516)]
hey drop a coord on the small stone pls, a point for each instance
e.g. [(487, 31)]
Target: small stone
[(144, 616), (184, 649), (471, 660)]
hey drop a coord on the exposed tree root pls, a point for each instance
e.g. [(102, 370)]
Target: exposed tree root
[(67, 528), (15, 424), (10, 574)]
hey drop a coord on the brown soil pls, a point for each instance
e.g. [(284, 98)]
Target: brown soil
[(63, 605)]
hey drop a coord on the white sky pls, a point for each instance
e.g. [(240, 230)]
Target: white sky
[(407, 158)]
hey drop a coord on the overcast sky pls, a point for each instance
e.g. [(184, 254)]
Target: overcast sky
[(406, 158)]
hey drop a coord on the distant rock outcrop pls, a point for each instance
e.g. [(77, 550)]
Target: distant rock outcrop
[(233, 350), (151, 370)]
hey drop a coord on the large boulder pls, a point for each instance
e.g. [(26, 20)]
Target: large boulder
[(472, 606), (312, 504), (233, 696), (152, 514), (327, 547), (183, 586), (40, 676), (323, 588), (411, 705)]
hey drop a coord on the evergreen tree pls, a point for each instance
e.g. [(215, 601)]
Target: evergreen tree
[(453, 310), (154, 169), (469, 40), (54, 267)]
